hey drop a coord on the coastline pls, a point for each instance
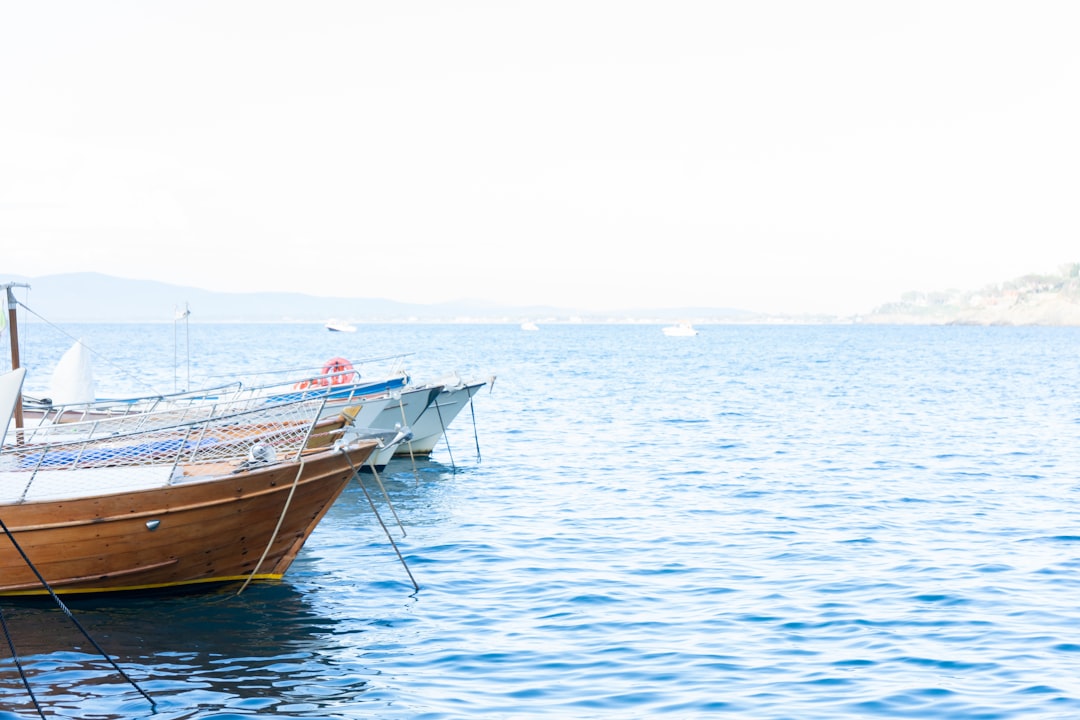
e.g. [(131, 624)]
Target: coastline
[(1054, 309)]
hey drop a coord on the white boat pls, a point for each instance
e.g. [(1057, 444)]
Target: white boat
[(395, 411), (430, 427), (683, 329), (529, 325), (340, 326)]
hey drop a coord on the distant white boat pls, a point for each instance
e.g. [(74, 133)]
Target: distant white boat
[(529, 325), (339, 326), (683, 329)]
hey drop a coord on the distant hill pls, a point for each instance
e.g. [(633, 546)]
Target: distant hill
[(95, 297), (1033, 299)]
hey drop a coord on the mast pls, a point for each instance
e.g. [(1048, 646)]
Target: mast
[(13, 325)]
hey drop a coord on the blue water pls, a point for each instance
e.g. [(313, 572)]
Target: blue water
[(757, 522)]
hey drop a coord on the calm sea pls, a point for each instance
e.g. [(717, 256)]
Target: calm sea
[(757, 522)]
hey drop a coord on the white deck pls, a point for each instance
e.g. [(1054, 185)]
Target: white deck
[(54, 485)]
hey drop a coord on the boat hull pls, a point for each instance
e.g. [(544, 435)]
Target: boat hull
[(400, 410), (680, 330), (430, 427), (197, 532)]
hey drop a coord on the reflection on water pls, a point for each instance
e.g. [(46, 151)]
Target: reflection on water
[(177, 648), (266, 617)]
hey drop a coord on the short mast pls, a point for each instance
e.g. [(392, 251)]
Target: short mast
[(13, 326)]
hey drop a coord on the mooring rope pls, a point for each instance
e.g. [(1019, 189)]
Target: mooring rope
[(74, 620), (277, 528), (442, 426), (19, 666), (386, 495), (94, 352), (379, 518), (412, 456), (472, 409), (404, 423)]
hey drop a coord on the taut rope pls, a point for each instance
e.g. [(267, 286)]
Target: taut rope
[(64, 608), (385, 529), (19, 666), (277, 528)]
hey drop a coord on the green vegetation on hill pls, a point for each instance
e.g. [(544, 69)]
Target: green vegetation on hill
[(1031, 299)]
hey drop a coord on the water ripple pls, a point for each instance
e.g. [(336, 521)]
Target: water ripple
[(771, 523)]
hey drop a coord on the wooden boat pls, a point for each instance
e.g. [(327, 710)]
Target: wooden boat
[(164, 500), (337, 395), (168, 507)]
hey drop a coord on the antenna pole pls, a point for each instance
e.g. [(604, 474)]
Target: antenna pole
[(13, 322), (187, 342)]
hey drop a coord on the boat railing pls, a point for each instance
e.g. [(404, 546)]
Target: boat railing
[(196, 447), (50, 413), (169, 411), (112, 416)]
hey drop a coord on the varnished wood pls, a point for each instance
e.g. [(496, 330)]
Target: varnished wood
[(206, 530)]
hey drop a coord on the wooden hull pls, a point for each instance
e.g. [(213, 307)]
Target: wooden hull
[(205, 531)]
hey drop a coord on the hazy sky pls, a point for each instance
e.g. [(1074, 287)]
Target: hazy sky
[(774, 156)]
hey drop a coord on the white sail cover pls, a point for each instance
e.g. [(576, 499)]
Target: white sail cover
[(10, 387), (73, 379)]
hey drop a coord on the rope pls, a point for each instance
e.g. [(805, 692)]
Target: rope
[(64, 608), (19, 666), (386, 495), (379, 518), (412, 456), (273, 535), (127, 373), (94, 352), (442, 426), (472, 409)]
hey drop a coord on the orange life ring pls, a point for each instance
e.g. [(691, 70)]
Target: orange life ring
[(337, 371)]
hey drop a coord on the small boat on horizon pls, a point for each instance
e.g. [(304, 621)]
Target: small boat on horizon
[(529, 325), (683, 329), (340, 326)]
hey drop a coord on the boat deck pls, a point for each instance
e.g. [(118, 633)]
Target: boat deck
[(52, 485)]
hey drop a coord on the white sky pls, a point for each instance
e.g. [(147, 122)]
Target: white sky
[(778, 156)]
